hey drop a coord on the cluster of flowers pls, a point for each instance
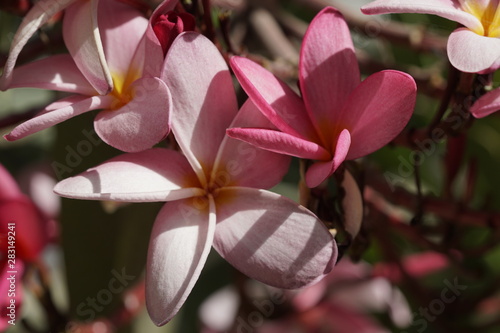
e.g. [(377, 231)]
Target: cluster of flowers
[(159, 75)]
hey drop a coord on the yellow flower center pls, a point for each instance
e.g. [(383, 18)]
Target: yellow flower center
[(488, 13), (121, 88)]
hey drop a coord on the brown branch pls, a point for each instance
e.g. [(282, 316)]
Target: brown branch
[(444, 209)]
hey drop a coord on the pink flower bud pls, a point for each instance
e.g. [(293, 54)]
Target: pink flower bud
[(170, 25)]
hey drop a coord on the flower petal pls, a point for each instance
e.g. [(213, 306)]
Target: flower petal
[(142, 122), (271, 238), (30, 226), (279, 142), (122, 28), (378, 110), (8, 186), (449, 9), (319, 171), (241, 164), (153, 49), (152, 175), (352, 205), (472, 53), (486, 104), (39, 14), (82, 38), (180, 242), (280, 104), (51, 118), (57, 72), (204, 101), (328, 69)]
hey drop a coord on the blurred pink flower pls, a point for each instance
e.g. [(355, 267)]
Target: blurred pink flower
[(474, 48), (136, 110), (337, 118), (24, 232), (342, 302), (213, 189)]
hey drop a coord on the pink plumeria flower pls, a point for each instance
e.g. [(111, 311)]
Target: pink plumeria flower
[(474, 48), (213, 190), (337, 118), (80, 32), (136, 111)]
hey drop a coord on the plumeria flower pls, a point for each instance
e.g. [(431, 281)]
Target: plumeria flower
[(213, 190), (136, 111), (337, 118), (81, 35), (474, 48)]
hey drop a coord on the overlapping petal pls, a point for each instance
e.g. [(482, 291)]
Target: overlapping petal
[(241, 164), (449, 9), (280, 142), (202, 90), (280, 104), (378, 110), (82, 38), (272, 239), (319, 171), (48, 119), (39, 14), (58, 72), (142, 122), (152, 47), (152, 175), (473, 53), (121, 27), (180, 242), (328, 68)]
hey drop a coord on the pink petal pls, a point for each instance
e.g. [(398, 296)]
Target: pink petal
[(81, 36), (122, 28), (30, 226), (352, 205), (449, 9), (180, 242), (280, 104), (320, 171), (328, 69), (57, 72), (271, 238), (487, 104), (48, 119), (142, 122), (152, 175), (241, 164), (217, 312), (279, 142), (472, 53), (62, 103), (378, 110), (204, 101), (39, 14), (8, 186), (153, 49)]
